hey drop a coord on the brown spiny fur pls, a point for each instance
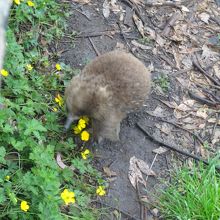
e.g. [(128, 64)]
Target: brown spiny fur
[(108, 88)]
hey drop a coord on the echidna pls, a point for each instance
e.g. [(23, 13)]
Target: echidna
[(108, 88)]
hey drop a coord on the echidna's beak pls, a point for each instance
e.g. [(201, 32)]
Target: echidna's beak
[(69, 121)]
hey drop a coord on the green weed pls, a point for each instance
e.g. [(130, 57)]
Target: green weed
[(31, 182), (163, 82), (192, 194)]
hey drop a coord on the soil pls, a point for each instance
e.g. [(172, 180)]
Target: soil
[(87, 20)]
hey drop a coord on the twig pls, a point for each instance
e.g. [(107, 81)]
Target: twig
[(155, 157), (82, 13), (123, 36), (197, 65), (131, 4), (184, 129), (94, 47), (123, 212), (96, 34), (170, 23), (201, 99), (171, 4), (172, 147)]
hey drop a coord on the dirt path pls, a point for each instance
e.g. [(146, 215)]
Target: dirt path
[(88, 20)]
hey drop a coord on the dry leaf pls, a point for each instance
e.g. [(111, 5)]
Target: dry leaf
[(184, 9), (158, 112), (142, 46), (155, 36), (106, 9), (202, 113), (139, 24), (207, 53), (139, 2), (61, 163), (82, 1), (165, 128), (136, 168), (204, 17), (160, 150), (109, 172)]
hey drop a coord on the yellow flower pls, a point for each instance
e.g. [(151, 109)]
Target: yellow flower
[(29, 67), (55, 109), (7, 178), (4, 72), (77, 129), (85, 153), (85, 118), (85, 136), (59, 100), (17, 2), (100, 191), (82, 123), (30, 3), (24, 206), (68, 197), (58, 67)]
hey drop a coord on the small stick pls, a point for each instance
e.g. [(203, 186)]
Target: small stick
[(196, 64), (184, 129), (202, 100), (171, 4), (171, 147), (170, 23), (82, 13), (155, 157), (94, 47)]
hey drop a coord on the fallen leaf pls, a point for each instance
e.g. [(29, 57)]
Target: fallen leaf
[(165, 128), (106, 9), (202, 113), (184, 8), (204, 17), (158, 112), (207, 53), (61, 163), (139, 24), (142, 46), (136, 168), (109, 172), (82, 1), (139, 2), (155, 212), (160, 150)]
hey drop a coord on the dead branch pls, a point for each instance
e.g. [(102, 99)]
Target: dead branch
[(94, 47), (95, 34), (197, 158), (171, 4), (197, 65), (201, 99), (170, 23)]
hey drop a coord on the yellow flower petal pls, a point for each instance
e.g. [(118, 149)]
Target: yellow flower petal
[(24, 206), (100, 191), (85, 136), (85, 154), (59, 100), (58, 67), (29, 67), (77, 129), (7, 178), (30, 3), (68, 196), (17, 2), (4, 72), (55, 109), (85, 118)]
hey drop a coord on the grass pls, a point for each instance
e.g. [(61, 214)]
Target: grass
[(192, 194), (31, 134)]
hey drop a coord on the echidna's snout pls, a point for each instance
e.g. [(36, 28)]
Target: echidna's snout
[(69, 121)]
